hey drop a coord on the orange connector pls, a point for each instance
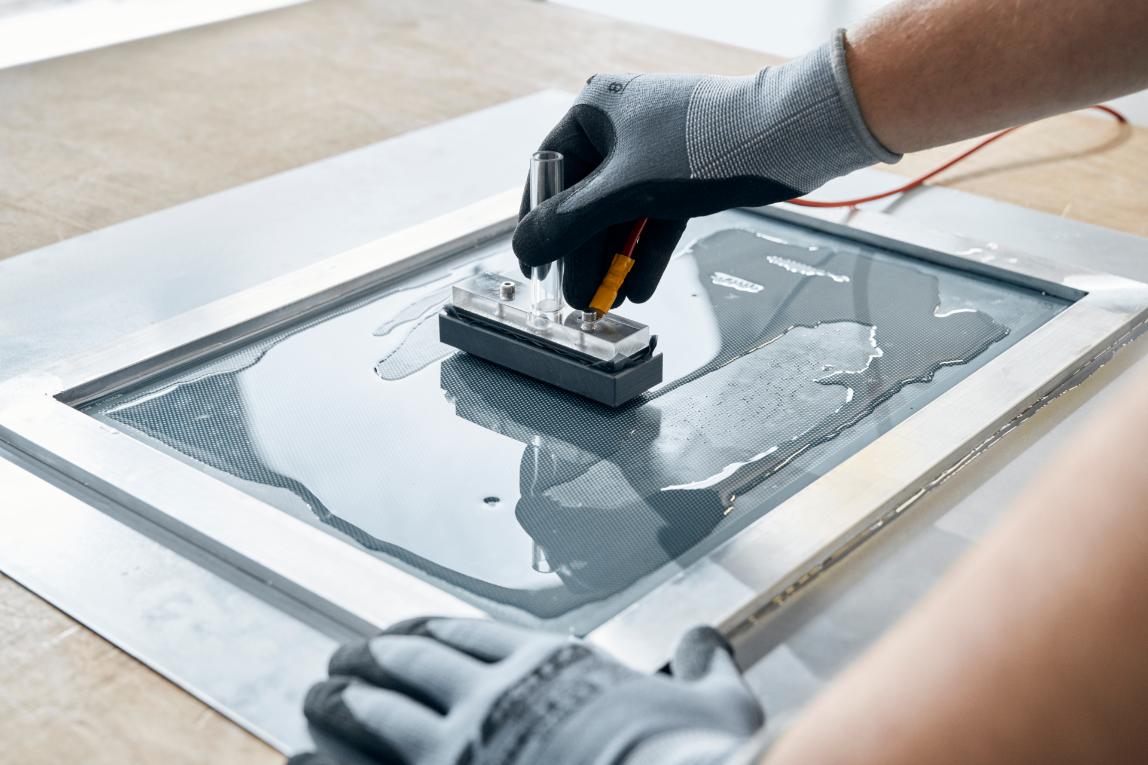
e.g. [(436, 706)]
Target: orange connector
[(607, 291)]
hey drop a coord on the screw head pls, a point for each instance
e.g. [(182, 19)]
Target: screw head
[(590, 320)]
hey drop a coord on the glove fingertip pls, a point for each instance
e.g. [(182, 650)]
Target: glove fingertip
[(636, 294), (641, 289), (325, 699), (310, 758), (584, 266), (349, 657), (693, 658), (537, 235), (710, 638), (416, 625), (654, 252)]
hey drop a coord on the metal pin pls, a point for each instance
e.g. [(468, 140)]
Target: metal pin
[(506, 291), (590, 320)]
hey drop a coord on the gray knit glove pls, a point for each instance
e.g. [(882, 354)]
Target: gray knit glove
[(675, 146), (475, 692)]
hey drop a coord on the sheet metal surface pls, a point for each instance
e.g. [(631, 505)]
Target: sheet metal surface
[(278, 224), (786, 351)]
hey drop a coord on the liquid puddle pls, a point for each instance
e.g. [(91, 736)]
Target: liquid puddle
[(782, 360), (734, 283), (804, 269)]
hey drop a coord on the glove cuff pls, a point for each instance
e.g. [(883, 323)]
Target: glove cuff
[(798, 124), (849, 103)]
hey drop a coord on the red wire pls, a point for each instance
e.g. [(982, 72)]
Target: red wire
[(935, 171), (635, 235), (640, 224)]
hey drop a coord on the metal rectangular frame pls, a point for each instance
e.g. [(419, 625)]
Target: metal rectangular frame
[(731, 586)]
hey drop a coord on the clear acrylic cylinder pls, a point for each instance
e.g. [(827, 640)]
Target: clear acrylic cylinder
[(545, 180)]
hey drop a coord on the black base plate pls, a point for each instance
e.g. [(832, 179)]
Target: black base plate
[(551, 366)]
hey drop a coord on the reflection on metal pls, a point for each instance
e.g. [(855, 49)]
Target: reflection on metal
[(679, 438)]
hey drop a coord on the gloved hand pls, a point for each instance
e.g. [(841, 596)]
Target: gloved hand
[(452, 691), (671, 147)]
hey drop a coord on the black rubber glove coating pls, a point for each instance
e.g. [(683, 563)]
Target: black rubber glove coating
[(670, 147), (588, 235)]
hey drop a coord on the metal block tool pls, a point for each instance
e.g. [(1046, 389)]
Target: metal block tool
[(529, 329)]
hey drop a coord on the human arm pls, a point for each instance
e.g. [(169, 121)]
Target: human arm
[(931, 72), (1034, 649), (917, 75)]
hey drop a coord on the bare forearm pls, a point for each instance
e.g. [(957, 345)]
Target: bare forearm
[(930, 72), (1033, 650)]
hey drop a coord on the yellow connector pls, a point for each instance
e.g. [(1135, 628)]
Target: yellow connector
[(607, 291)]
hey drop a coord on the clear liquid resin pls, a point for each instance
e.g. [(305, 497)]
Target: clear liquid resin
[(786, 351)]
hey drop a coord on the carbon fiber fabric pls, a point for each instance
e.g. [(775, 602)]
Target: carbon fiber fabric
[(786, 351)]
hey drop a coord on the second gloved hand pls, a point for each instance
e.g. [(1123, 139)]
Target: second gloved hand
[(671, 147), (475, 692)]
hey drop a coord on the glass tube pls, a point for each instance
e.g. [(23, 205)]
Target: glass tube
[(546, 179)]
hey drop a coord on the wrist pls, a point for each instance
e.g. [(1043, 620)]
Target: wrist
[(839, 62)]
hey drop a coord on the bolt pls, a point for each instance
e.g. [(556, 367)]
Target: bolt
[(590, 320)]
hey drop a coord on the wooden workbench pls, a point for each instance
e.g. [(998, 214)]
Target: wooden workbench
[(97, 138)]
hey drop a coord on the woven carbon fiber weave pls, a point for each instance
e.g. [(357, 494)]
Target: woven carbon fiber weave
[(786, 351)]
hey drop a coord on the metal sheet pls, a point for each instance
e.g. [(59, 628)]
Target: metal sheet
[(189, 255), (182, 258), (208, 633), (788, 351), (769, 556)]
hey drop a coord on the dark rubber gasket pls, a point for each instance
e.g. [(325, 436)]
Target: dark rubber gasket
[(612, 388)]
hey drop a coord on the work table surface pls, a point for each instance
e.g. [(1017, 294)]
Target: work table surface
[(97, 138)]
